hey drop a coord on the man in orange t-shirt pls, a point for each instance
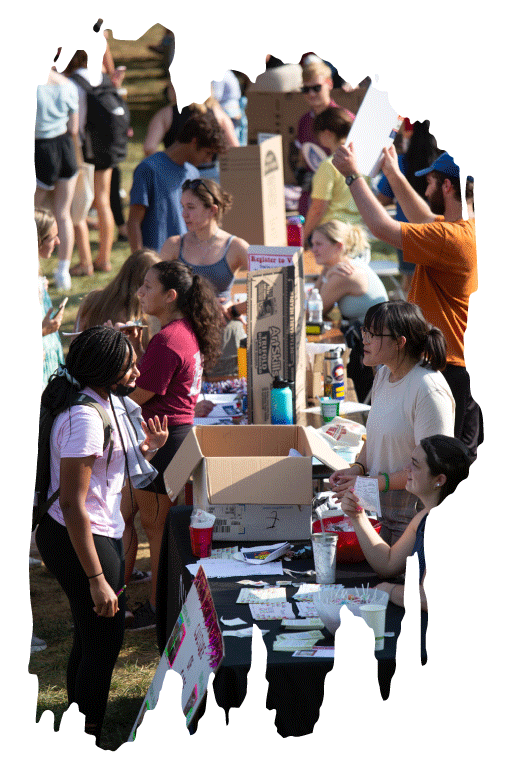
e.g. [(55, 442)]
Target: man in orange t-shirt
[(442, 245)]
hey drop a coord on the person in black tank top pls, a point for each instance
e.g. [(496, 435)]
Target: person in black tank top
[(438, 464)]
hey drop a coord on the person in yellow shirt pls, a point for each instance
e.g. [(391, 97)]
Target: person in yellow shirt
[(330, 195)]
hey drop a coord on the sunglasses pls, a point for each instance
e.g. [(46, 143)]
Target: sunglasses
[(193, 184), (315, 88)]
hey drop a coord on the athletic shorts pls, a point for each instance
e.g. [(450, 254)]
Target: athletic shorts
[(162, 457), (54, 159)]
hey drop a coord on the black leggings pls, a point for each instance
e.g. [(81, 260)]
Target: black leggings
[(97, 640)]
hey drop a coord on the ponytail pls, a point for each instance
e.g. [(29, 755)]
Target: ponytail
[(197, 300), (434, 354)]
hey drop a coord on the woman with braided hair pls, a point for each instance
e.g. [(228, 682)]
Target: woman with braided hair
[(80, 538), (169, 384)]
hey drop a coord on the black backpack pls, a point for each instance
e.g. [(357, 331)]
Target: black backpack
[(108, 120), (46, 418)]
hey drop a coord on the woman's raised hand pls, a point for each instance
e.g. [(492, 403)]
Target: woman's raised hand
[(52, 324), (156, 435), (350, 504)]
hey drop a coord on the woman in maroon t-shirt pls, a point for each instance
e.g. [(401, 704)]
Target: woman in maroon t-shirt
[(170, 382)]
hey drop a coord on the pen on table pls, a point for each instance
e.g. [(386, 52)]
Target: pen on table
[(120, 591)]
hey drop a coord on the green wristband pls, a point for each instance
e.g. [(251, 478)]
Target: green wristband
[(386, 477)]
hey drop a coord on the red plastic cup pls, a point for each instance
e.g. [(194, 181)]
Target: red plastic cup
[(201, 541)]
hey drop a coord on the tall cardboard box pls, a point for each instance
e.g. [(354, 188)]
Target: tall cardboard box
[(280, 113), (245, 477), (276, 336), (254, 176)]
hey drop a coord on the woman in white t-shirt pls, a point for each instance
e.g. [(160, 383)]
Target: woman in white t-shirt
[(80, 538), (410, 400)]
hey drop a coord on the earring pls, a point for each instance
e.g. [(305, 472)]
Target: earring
[(437, 485)]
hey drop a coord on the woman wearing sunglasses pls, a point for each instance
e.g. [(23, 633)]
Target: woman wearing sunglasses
[(410, 400), (214, 254)]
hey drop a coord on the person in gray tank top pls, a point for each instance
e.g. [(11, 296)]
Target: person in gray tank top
[(211, 252)]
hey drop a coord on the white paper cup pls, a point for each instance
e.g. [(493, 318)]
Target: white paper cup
[(375, 616), (324, 555)]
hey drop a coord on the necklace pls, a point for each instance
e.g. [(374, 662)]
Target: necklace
[(203, 243)]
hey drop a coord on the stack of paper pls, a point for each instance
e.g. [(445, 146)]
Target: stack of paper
[(264, 595), (310, 623), (306, 608), (265, 554), (306, 591), (296, 641)]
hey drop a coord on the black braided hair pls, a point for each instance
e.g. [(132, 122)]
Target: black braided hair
[(96, 358)]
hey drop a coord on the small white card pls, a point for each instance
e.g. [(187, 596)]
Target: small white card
[(306, 609), (310, 623), (367, 491), (270, 611)]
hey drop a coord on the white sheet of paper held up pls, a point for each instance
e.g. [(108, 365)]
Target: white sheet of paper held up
[(375, 126), (367, 491)]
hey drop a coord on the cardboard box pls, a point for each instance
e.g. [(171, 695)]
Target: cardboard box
[(276, 336), (245, 477), (280, 113), (254, 176)]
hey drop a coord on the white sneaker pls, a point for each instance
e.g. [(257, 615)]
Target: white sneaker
[(62, 280)]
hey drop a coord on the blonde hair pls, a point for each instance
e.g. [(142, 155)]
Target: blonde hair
[(44, 220), (352, 236), (315, 69), (118, 301)]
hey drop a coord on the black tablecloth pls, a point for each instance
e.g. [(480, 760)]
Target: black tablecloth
[(296, 685)]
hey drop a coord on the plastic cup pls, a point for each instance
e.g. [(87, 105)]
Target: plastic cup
[(201, 541), (324, 555), (329, 407), (375, 616)]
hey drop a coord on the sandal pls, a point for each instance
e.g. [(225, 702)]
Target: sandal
[(81, 271)]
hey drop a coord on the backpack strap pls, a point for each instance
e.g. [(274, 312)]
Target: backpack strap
[(108, 440), (81, 81)]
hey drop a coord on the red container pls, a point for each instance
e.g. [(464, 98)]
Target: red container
[(201, 541), (294, 233), (348, 549)]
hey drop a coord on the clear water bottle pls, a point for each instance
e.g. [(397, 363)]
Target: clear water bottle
[(281, 407), (315, 307)]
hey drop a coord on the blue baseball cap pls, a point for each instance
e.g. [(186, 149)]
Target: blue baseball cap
[(444, 164)]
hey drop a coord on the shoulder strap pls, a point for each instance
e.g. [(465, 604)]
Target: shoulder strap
[(81, 81), (226, 249), (83, 399)]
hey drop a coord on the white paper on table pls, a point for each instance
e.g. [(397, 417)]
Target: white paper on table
[(375, 126), (270, 611), (226, 553), (265, 595), (254, 583), (245, 632), (367, 491), (320, 651), (232, 622), (306, 591), (307, 623), (221, 569), (306, 609)]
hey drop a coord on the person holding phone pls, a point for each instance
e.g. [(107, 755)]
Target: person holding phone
[(47, 239)]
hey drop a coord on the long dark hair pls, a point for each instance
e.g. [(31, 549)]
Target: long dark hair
[(423, 341), (421, 152), (447, 456), (96, 358), (197, 300)]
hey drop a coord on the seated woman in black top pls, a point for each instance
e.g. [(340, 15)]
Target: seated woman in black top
[(437, 466)]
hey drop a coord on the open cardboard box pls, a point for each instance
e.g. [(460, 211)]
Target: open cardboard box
[(245, 477)]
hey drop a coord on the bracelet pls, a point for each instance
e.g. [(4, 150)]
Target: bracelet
[(386, 477), (95, 576), (358, 464)]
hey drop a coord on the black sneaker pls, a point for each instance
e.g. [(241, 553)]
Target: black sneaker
[(138, 577), (143, 618)]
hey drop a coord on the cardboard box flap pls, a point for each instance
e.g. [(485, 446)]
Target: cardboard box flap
[(250, 440), (182, 465), (259, 480), (311, 444)]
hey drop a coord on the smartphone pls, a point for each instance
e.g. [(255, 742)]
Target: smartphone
[(61, 306)]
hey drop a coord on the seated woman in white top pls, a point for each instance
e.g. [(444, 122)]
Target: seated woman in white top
[(410, 400)]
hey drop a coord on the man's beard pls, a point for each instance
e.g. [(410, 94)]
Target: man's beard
[(436, 202), (122, 390)]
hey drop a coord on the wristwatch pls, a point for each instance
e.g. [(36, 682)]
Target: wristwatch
[(353, 177)]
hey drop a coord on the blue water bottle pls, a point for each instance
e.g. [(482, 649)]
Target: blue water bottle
[(281, 408)]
